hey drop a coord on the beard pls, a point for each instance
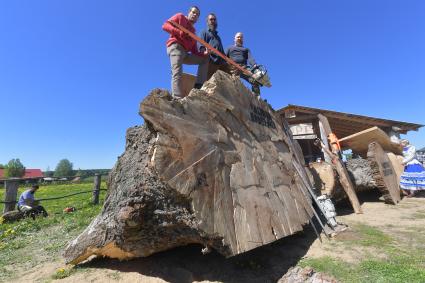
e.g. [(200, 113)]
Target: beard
[(212, 26)]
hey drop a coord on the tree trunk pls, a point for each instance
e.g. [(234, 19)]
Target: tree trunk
[(214, 168)]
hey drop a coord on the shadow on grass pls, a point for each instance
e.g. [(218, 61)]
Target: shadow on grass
[(344, 207), (187, 264)]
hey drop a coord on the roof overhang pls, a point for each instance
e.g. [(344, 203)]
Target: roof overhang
[(343, 124)]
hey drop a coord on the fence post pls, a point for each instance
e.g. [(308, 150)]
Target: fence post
[(96, 188), (11, 187)]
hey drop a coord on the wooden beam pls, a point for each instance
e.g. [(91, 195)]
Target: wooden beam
[(302, 119), (344, 178), (360, 141), (404, 126)]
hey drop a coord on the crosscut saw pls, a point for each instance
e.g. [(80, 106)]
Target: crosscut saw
[(259, 74)]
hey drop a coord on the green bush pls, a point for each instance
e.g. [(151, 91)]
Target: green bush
[(14, 168), (64, 169)]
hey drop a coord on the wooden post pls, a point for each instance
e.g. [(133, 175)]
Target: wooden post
[(96, 188), (11, 187), (324, 139), (344, 178)]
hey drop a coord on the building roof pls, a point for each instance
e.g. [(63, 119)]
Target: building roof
[(29, 173), (421, 150), (344, 124)]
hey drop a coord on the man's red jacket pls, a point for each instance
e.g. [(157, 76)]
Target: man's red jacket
[(180, 37)]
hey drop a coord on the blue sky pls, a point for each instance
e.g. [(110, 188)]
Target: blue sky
[(73, 72)]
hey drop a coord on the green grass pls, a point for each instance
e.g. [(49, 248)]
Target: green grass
[(27, 243), (402, 263), (372, 237), (337, 268)]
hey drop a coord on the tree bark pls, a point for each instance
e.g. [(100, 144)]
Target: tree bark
[(361, 174)]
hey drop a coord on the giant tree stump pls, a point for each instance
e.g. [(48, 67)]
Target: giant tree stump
[(213, 168)]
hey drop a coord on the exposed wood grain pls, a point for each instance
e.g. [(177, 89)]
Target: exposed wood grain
[(384, 174), (397, 163)]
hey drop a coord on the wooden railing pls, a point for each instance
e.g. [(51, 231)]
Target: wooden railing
[(11, 193)]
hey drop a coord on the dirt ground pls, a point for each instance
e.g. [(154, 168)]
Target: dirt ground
[(266, 264)]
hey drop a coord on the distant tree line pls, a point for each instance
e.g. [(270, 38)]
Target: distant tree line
[(65, 169), (15, 168), (83, 173)]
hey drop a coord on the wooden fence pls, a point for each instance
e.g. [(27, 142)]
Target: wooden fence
[(11, 193)]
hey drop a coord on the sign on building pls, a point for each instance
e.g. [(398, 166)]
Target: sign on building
[(303, 131)]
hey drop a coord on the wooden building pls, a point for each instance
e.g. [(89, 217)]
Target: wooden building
[(374, 139), (305, 127)]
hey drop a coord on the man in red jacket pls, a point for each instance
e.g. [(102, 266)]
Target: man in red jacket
[(182, 49)]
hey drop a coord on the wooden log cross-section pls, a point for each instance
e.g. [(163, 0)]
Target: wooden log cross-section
[(214, 168), (384, 173)]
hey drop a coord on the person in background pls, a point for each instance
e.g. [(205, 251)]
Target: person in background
[(182, 49), (29, 205), (413, 178), (243, 57), (210, 36)]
